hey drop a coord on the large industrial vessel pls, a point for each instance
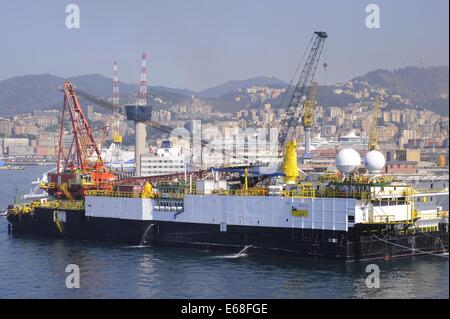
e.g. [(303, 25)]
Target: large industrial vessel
[(350, 218), (354, 213)]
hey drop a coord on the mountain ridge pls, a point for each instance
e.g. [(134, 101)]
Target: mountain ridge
[(425, 87), (218, 91)]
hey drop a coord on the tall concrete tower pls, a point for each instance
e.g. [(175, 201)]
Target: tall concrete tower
[(140, 113)]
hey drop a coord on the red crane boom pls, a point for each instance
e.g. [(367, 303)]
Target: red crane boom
[(81, 167), (85, 145)]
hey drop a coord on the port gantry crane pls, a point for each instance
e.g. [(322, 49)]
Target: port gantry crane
[(290, 123)]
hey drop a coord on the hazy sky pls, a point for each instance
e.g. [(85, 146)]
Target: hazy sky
[(196, 44)]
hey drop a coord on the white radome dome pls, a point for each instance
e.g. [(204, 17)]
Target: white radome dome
[(374, 161), (347, 160)]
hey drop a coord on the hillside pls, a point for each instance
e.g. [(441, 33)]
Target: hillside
[(425, 87), (172, 90), (29, 92), (227, 87), (24, 94)]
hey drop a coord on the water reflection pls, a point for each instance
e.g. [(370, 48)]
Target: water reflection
[(35, 267), (147, 275)]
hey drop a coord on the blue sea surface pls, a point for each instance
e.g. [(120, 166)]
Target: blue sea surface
[(35, 267)]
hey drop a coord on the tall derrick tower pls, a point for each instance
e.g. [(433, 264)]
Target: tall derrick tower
[(116, 159)]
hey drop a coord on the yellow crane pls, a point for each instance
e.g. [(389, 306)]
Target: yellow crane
[(309, 107), (117, 137), (287, 134), (373, 134), (308, 119)]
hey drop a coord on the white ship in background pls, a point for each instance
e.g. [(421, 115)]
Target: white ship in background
[(164, 160), (352, 140), (319, 141), (344, 141), (156, 161), (36, 192), (123, 162)]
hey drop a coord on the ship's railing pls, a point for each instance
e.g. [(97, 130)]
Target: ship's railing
[(242, 192), (174, 185), (391, 193), (329, 192), (304, 192), (426, 214), (366, 195), (427, 229), (383, 219), (420, 191), (171, 195), (118, 194), (60, 204), (53, 204), (18, 210), (106, 193), (360, 179)]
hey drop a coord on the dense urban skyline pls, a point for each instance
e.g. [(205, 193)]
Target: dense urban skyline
[(199, 44)]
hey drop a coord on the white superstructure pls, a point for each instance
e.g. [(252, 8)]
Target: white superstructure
[(163, 161), (318, 213), (352, 140), (112, 161)]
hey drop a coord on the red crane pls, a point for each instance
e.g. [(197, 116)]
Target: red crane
[(81, 167), (85, 145)]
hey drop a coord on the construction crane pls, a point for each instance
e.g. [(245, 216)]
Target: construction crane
[(308, 120), (373, 133), (80, 167), (290, 123)]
